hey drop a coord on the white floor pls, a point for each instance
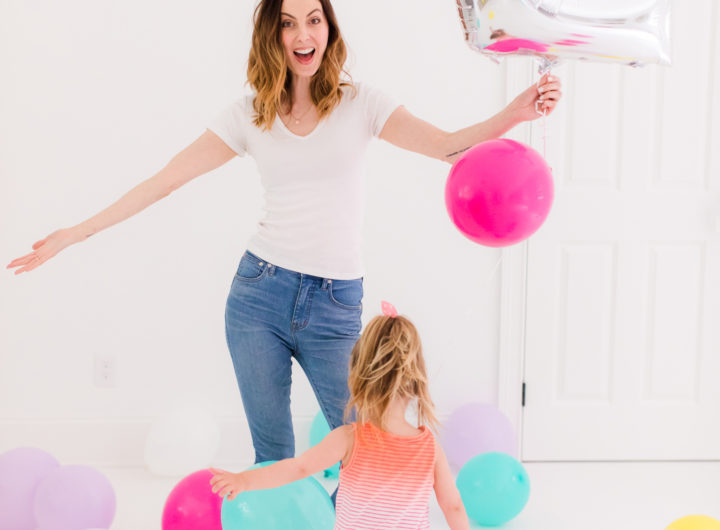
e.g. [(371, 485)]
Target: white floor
[(572, 496)]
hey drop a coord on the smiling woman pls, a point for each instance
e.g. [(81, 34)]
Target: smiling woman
[(313, 34), (297, 292), (296, 45)]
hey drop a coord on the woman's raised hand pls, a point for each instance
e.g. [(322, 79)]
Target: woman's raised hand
[(45, 249), (537, 100)]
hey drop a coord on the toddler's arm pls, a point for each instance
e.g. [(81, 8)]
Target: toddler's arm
[(322, 456), (447, 494)]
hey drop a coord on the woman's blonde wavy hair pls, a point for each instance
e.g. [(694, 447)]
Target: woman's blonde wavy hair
[(269, 75), (386, 362)]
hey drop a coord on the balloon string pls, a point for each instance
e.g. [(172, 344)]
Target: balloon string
[(545, 68), (494, 270), (544, 134)]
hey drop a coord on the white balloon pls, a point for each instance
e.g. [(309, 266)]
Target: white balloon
[(184, 441)]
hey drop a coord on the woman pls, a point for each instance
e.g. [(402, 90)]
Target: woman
[(298, 290)]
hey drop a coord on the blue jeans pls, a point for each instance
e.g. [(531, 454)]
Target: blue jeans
[(274, 314)]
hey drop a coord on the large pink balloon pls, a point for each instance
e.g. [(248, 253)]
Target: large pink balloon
[(499, 192), (192, 505)]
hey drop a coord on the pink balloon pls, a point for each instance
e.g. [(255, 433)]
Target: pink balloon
[(21, 472), (477, 428), (192, 505), (499, 192)]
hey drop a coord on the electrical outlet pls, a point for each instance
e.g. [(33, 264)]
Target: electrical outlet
[(104, 370)]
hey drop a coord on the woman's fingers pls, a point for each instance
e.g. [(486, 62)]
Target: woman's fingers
[(33, 264), (31, 260), (554, 95), (33, 256), (548, 108), (44, 249), (21, 261), (549, 87), (544, 80), (27, 263)]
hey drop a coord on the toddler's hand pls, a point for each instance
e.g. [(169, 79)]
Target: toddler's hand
[(225, 483)]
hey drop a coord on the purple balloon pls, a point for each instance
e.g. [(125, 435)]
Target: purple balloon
[(75, 498), (21, 471), (477, 428)]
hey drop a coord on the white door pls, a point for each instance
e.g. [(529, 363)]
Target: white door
[(622, 347)]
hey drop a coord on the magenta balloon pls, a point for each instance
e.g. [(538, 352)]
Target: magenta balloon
[(499, 192), (192, 505), (75, 498), (21, 471), (477, 428)]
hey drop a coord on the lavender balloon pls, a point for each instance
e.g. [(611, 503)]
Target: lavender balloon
[(21, 471), (477, 428), (74, 498)]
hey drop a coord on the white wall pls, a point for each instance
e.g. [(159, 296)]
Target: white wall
[(98, 95)]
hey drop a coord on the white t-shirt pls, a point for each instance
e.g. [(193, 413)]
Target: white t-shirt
[(314, 189)]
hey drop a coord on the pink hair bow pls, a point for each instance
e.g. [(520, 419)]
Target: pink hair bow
[(388, 309)]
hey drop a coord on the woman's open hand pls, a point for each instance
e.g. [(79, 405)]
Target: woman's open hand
[(537, 100), (45, 249)]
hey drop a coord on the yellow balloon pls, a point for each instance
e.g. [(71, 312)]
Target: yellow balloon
[(695, 522)]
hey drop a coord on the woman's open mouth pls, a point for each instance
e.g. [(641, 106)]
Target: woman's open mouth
[(305, 56)]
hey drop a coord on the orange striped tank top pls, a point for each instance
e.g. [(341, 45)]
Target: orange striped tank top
[(387, 482)]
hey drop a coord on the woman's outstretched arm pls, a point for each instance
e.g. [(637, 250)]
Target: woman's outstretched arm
[(410, 132), (204, 154)]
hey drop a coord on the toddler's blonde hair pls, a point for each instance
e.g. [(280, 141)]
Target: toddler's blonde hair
[(386, 362)]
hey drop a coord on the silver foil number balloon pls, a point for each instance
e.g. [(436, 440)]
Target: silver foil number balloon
[(633, 32)]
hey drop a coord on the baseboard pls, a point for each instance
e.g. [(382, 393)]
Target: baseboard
[(121, 442)]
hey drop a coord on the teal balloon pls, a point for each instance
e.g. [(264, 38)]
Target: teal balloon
[(494, 488), (300, 505), (319, 430)]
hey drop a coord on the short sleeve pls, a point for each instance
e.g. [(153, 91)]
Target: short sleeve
[(231, 125), (378, 106)]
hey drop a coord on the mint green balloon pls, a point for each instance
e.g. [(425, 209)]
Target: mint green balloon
[(494, 488), (300, 505), (319, 430)]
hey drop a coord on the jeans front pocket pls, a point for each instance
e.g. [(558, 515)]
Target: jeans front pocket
[(347, 294), (251, 268)]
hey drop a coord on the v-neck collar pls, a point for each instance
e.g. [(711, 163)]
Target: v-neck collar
[(299, 137)]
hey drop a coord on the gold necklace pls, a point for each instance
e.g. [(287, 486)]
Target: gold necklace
[(296, 118)]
